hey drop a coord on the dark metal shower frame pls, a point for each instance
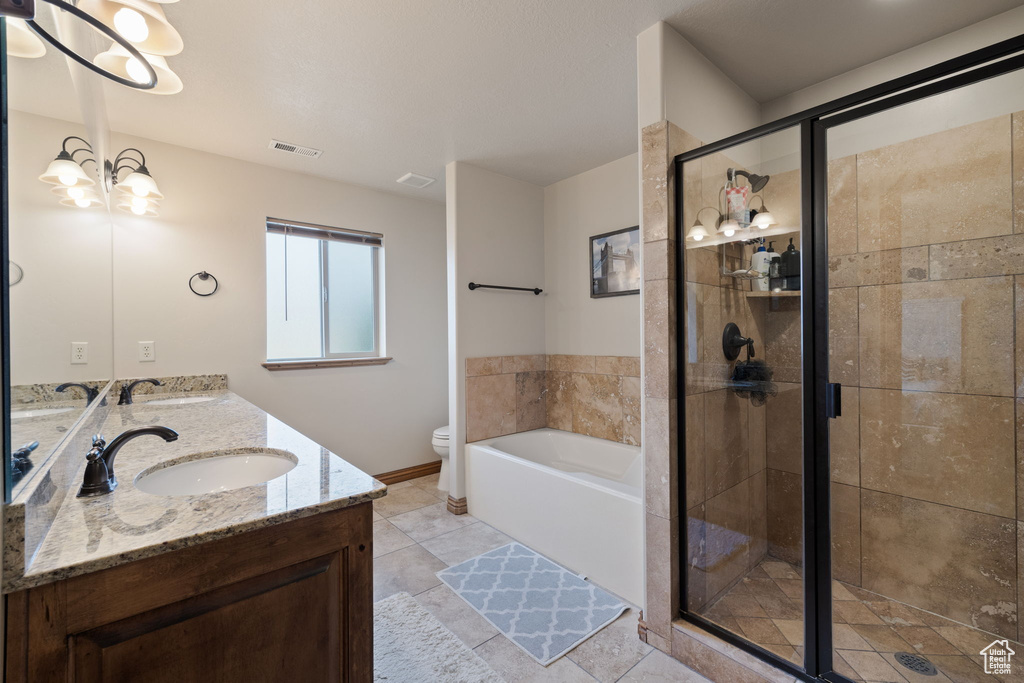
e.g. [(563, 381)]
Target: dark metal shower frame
[(819, 397)]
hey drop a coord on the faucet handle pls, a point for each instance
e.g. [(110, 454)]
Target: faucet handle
[(98, 441)]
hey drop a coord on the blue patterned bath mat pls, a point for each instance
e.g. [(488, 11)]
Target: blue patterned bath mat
[(543, 608)]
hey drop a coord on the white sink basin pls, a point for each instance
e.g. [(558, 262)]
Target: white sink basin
[(40, 412), (179, 401), (215, 471)]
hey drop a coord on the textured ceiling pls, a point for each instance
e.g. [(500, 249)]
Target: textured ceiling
[(536, 89)]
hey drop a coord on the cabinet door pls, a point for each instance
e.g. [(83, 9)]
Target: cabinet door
[(281, 626)]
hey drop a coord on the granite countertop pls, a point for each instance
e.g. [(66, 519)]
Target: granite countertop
[(89, 534)]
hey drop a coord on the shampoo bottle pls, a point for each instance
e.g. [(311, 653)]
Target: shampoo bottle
[(791, 267), (759, 262)]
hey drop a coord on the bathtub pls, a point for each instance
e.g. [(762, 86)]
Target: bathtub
[(573, 498)]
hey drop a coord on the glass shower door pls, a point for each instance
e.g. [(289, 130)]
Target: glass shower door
[(742, 412), (925, 223)]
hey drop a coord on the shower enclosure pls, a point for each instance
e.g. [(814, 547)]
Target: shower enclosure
[(853, 409)]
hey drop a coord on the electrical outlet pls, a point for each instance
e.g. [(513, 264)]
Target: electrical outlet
[(147, 352), (79, 353)]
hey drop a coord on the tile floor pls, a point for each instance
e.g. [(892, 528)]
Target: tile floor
[(415, 536), (766, 608)]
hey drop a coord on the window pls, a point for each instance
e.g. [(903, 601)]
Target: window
[(324, 294)]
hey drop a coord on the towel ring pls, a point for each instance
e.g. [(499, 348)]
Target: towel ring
[(203, 275), (15, 279)]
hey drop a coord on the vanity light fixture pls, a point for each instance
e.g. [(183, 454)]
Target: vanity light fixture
[(21, 42), (729, 227), (137, 193)]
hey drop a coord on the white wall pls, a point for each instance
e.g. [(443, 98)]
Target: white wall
[(65, 294), (679, 84), (213, 218), (601, 200), (495, 237)]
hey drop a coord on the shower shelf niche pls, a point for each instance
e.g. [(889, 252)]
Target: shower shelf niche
[(772, 295)]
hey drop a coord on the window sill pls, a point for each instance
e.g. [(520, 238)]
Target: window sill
[(324, 363)]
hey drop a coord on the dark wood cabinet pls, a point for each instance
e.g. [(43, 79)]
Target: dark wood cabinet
[(290, 602)]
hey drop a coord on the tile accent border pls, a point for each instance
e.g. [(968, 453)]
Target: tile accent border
[(596, 396)]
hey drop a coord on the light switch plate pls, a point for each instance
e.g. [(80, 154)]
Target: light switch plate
[(79, 353), (147, 351)]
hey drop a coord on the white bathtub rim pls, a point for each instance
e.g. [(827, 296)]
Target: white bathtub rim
[(486, 446)]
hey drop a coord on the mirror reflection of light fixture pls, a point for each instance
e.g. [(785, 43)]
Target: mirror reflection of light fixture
[(21, 42), (729, 227), (757, 182), (64, 170), (118, 60), (141, 22), (137, 193), (698, 231), (106, 30), (763, 218)]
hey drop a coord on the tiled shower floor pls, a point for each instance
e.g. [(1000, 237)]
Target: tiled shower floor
[(766, 608)]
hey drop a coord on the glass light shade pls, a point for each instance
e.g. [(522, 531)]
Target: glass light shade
[(149, 209), (66, 172), (140, 185), (117, 60), (696, 233), (160, 37), (729, 227), (763, 219), (22, 41), (87, 200)]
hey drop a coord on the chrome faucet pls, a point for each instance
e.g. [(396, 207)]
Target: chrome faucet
[(126, 391), (90, 392), (99, 470)]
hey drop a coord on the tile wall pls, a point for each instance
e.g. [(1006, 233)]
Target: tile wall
[(597, 396), (925, 274)]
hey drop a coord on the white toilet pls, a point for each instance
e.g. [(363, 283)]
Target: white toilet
[(440, 444)]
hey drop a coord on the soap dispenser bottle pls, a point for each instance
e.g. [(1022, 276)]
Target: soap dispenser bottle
[(759, 262), (791, 267)]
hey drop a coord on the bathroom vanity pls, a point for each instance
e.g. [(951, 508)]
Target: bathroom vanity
[(265, 582)]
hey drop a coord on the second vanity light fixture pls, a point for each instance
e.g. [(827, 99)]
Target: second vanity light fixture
[(137, 193)]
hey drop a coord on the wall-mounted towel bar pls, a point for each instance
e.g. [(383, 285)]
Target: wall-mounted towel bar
[(535, 290)]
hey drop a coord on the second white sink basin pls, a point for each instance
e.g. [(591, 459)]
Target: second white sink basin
[(215, 471), (179, 401)]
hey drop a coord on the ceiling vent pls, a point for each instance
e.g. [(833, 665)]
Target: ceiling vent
[(415, 180), (296, 149)]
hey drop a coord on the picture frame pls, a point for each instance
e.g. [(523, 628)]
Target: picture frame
[(615, 263)]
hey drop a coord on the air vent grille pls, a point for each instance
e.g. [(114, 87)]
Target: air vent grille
[(415, 180), (296, 149)]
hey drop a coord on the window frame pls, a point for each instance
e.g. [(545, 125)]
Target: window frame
[(323, 235)]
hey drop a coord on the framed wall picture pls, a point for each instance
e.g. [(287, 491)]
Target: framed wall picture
[(615, 263)]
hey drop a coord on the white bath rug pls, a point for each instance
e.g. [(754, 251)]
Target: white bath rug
[(543, 608), (411, 646)]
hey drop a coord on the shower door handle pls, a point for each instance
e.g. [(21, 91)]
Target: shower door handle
[(833, 400)]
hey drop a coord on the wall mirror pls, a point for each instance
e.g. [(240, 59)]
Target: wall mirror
[(61, 314)]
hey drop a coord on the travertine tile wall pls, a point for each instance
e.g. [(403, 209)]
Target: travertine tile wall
[(925, 294), (597, 396)]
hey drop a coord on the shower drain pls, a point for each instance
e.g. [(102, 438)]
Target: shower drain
[(916, 663)]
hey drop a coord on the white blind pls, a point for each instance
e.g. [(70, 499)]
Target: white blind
[(323, 232)]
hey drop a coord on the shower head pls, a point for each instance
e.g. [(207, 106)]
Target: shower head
[(757, 182)]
